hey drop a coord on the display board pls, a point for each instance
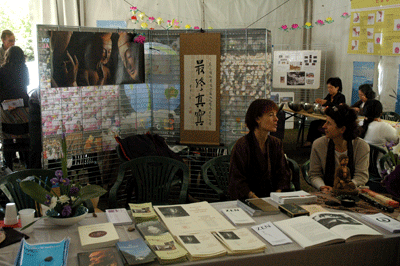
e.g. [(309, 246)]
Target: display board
[(375, 28), (200, 55), (297, 69)]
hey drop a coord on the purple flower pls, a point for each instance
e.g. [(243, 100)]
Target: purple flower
[(66, 211), (65, 181), (48, 200), (74, 190), (384, 172), (54, 181), (59, 173)]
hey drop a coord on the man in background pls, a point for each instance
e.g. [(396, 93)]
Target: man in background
[(8, 39)]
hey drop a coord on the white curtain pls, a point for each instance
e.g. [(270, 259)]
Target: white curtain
[(55, 12)]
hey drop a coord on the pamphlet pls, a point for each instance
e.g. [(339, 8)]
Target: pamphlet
[(36, 254), (271, 233), (240, 241), (192, 218), (201, 246), (237, 216), (118, 216), (143, 212), (386, 222), (12, 103)]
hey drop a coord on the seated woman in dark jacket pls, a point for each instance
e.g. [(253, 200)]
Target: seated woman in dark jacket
[(334, 98), (258, 164), (365, 93)]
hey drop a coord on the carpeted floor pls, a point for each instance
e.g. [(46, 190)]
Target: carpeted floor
[(294, 151)]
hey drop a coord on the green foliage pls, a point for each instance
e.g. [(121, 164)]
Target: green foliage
[(18, 21), (34, 190)]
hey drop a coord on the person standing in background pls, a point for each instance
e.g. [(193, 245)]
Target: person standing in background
[(14, 79), (8, 39)]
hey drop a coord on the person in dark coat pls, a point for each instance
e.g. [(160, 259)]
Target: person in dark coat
[(258, 165), (334, 98)]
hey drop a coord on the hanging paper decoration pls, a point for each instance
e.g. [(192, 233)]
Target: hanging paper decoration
[(134, 9), (320, 22), (295, 27), (151, 19), (345, 15), (308, 25), (144, 25), (284, 28), (142, 16), (329, 20), (187, 26), (176, 24), (210, 28), (196, 28), (134, 19), (159, 21)]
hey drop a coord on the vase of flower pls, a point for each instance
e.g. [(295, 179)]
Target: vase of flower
[(65, 197)]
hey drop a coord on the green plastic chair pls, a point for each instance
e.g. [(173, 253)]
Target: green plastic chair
[(151, 180), (219, 168), (295, 180), (392, 116), (10, 187), (9, 184), (304, 170)]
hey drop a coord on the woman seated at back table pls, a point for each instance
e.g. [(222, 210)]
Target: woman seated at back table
[(334, 98), (341, 138), (365, 93), (258, 165), (375, 131)]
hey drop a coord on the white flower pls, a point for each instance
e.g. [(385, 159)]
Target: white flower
[(73, 198), (63, 199), (53, 202)]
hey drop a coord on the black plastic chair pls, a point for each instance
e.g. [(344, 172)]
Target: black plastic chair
[(392, 116), (151, 180)]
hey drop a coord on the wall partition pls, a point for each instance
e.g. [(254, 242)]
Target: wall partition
[(90, 91)]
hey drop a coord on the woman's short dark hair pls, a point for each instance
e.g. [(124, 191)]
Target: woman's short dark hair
[(335, 82), (343, 115), (14, 55), (257, 109), (367, 90)]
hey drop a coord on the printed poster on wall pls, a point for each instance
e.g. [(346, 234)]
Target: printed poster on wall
[(363, 73), (375, 28), (297, 69), (398, 93)]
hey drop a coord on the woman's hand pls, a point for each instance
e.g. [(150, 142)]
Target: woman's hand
[(325, 188), (320, 101)]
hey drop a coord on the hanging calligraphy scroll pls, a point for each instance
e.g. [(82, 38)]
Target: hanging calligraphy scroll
[(200, 88)]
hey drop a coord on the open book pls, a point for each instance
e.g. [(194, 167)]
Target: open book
[(324, 228)]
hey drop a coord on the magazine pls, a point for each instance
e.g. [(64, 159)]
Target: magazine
[(135, 252), (324, 228), (240, 241)]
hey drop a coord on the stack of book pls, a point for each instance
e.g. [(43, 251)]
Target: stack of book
[(142, 212), (98, 235), (107, 256), (298, 197), (240, 241), (237, 216), (135, 252), (257, 207), (161, 242), (201, 246)]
